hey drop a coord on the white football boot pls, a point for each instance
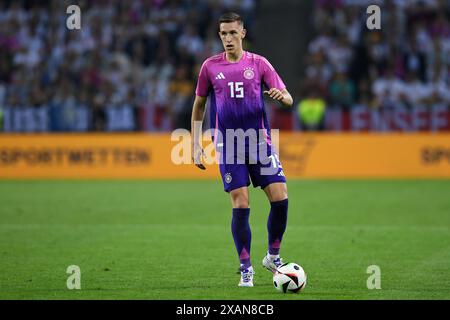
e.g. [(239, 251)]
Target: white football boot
[(246, 277), (272, 263)]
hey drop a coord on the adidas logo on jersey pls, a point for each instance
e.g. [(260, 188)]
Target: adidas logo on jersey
[(220, 76)]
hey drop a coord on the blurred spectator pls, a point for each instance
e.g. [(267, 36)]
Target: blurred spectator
[(318, 69), (415, 61), (414, 90), (342, 91), (311, 110), (340, 54), (388, 90), (180, 89), (190, 42)]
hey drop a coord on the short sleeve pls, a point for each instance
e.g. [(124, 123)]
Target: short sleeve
[(270, 76), (203, 83)]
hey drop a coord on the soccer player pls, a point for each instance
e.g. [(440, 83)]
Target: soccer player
[(233, 80)]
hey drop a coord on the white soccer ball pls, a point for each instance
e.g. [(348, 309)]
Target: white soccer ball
[(290, 277)]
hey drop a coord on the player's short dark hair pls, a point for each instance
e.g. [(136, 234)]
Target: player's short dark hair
[(230, 17)]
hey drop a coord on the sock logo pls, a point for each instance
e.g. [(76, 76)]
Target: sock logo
[(228, 178)]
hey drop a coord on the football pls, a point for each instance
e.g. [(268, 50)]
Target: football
[(290, 277)]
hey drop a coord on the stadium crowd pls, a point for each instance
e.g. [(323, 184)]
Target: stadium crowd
[(131, 66), (406, 63)]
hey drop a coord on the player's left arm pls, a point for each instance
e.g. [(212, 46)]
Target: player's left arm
[(277, 88), (280, 95)]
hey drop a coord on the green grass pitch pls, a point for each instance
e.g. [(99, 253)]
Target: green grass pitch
[(172, 239)]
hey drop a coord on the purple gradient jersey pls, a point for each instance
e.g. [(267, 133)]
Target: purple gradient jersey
[(236, 91)]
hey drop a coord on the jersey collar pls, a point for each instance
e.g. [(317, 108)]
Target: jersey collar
[(244, 55)]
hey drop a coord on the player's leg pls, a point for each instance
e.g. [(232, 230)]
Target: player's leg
[(240, 226), (277, 220), (273, 182), (276, 223), (242, 234), (236, 181)]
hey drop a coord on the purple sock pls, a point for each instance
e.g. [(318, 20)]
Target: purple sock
[(276, 224), (242, 235)]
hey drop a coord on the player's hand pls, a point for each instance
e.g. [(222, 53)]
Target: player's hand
[(275, 94), (197, 156)]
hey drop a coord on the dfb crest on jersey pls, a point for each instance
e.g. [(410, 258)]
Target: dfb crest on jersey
[(249, 74)]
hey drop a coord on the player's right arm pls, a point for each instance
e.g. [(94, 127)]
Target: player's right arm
[(198, 113)]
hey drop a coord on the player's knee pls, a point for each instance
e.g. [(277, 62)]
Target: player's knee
[(279, 197), (241, 204), (277, 193), (282, 195), (240, 201)]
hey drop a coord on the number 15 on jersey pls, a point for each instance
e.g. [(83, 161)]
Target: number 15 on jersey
[(236, 89)]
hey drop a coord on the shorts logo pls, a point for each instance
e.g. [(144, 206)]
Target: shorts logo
[(249, 74), (228, 178)]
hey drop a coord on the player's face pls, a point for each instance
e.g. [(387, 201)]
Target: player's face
[(232, 34)]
